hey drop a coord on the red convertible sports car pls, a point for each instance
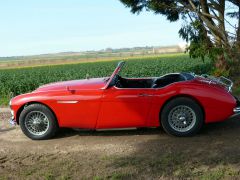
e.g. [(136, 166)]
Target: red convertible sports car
[(179, 102)]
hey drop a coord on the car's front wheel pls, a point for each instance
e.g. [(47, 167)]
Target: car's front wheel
[(182, 117), (38, 122)]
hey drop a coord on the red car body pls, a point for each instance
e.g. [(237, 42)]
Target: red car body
[(93, 104)]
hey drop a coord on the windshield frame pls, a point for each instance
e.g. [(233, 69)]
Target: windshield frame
[(114, 74)]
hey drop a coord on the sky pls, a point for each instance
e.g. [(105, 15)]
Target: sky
[(49, 26)]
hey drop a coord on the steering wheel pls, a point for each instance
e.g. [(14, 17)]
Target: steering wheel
[(143, 85), (118, 84)]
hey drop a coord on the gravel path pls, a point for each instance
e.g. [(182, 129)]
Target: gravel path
[(4, 109), (130, 154)]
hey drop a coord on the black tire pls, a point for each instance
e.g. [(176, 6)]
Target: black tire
[(52, 122), (196, 113)]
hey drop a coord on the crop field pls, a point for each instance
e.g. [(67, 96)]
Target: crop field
[(22, 80)]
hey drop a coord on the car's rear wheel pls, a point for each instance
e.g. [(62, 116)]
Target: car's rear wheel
[(38, 122), (182, 117)]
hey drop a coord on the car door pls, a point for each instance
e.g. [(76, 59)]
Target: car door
[(122, 108), (79, 108)]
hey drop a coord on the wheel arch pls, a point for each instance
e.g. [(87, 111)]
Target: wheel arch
[(178, 96), (29, 103)]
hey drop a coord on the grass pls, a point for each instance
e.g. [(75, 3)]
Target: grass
[(4, 100), (172, 165), (157, 164), (236, 90), (115, 176), (219, 173)]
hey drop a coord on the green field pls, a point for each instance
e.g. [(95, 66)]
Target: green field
[(22, 80)]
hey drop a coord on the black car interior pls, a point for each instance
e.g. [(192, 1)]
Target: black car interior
[(160, 82)]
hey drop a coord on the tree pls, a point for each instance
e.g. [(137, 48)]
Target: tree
[(212, 27)]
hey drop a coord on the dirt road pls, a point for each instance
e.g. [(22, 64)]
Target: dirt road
[(129, 154)]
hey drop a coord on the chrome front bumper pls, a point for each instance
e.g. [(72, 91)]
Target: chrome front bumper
[(12, 121)]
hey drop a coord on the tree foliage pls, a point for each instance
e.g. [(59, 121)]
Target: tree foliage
[(212, 27)]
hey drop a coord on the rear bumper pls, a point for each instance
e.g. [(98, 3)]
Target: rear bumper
[(236, 110)]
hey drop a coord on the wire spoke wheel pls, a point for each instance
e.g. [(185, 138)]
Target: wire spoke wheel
[(182, 118), (37, 123)]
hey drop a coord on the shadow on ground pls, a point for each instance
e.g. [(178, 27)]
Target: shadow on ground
[(212, 154), (228, 127)]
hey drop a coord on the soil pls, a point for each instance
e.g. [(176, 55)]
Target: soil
[(124, 154)]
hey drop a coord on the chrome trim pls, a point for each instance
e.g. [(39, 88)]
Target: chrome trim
[(37, 123), (12, 122), (11, 97), (182, 118), (230, 81), (67, 102), (236, 110), (148, 88), (219, 80), (115, 72), (12, 112), (153, 79)]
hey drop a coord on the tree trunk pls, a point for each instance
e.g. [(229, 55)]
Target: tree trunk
[(238, 32), (221, 65), (228, 63)]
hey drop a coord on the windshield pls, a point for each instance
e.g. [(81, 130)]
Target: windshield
[(114, 75)]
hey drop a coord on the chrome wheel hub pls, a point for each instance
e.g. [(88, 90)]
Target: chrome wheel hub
[(182, 118), (37, 123)]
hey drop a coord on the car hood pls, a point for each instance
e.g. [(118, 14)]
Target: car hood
[(93, 83)]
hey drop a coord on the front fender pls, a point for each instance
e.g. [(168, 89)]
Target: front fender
[(46, 98)]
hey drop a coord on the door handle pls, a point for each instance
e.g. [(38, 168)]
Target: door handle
[(143, 95)]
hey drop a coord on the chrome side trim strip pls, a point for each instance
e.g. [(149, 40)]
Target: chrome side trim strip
[(67, 102)]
